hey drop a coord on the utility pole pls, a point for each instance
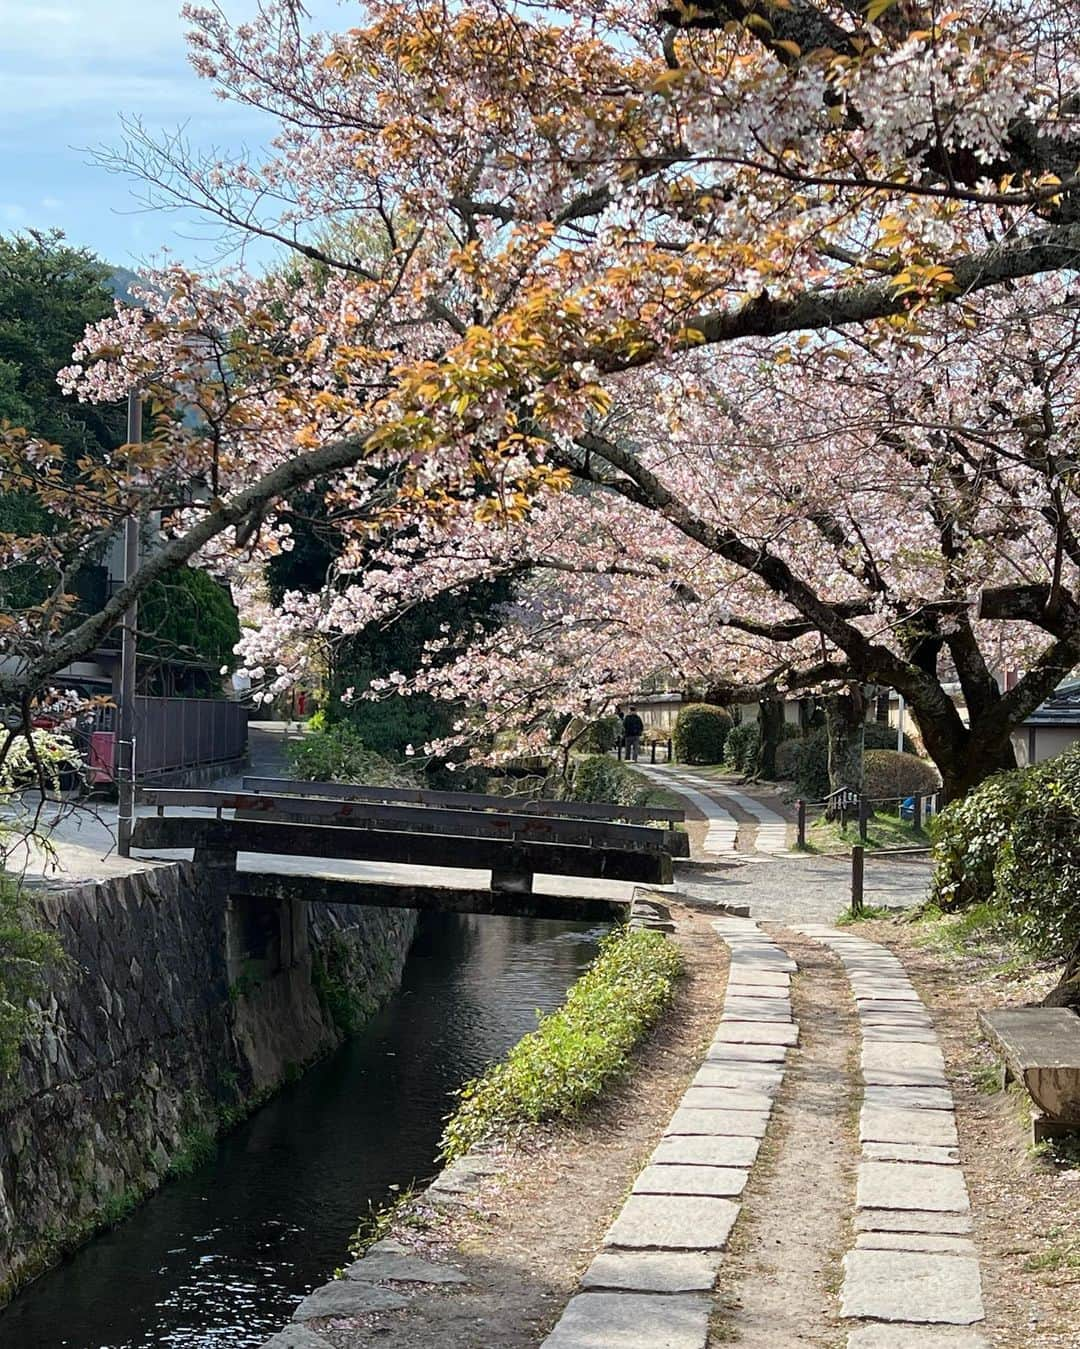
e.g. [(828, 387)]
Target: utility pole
[(125, 737), (900, 725)]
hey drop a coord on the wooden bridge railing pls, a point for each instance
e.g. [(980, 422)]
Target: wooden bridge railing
[(513, 846), (523, 805)]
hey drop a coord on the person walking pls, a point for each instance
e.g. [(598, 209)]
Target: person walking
[(633, 730)]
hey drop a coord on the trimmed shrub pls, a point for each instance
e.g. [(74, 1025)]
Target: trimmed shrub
[(888, 773), (338, 754), (598, 777), (564, 1065), (740, 752), (700, 732), (806, 761), (878, 735)]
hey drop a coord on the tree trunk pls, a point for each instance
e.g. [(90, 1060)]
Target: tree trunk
[(971, 765), (1067, 991), (771, 722), (845, 722)]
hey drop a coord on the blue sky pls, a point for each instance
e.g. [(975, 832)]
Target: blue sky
[(68, 70)]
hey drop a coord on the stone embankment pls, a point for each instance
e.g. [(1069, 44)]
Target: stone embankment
[(177, 1012)]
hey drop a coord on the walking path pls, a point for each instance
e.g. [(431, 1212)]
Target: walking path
[(911, 1280), (650, 1284), (914, 1264), (714, 800)]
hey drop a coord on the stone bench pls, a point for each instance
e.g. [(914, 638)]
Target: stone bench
[(1040, 1048)]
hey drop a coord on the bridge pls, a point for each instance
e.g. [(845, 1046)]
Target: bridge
[(515, 838)]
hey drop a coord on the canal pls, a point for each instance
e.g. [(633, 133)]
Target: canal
[(221, 1257)]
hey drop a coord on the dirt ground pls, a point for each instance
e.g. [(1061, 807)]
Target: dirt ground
[(540, 1222), (1025, 1203), (779, 1278)]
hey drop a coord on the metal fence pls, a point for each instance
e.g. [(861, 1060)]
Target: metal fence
[(173, 734)]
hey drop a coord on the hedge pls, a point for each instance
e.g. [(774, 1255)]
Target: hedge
[(887, 773), (600, 736), (700, 732), (806, 761)]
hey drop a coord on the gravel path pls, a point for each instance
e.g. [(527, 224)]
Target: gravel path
[(803, 889)]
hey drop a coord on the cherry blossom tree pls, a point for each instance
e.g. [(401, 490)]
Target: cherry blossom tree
[(783, 288)]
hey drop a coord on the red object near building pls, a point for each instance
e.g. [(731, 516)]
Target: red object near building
[(102, 757)]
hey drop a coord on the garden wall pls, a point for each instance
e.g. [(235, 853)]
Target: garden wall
[(179, 1011)]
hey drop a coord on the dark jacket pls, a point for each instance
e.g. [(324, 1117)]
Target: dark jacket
[(632, 725)]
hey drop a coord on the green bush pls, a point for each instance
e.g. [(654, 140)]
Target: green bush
[(1037, 876), (787, 758), (967, 836), (887, 773), (337, 754), (740, 751), (599, 777), (879, 735), (600, 736), (1014, 844), (700, 732), (565, 1063)]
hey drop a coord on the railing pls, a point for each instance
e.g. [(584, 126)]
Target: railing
[(846, 804), (173, 734)]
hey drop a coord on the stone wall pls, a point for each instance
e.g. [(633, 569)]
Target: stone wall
[(178, 1012)]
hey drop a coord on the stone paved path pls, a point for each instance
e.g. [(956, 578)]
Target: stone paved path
[(714, 800), (650, 1284), (912, 1278)]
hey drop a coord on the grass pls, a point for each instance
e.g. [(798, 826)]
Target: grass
[(845, 918), (565, 1064), (882, 831)]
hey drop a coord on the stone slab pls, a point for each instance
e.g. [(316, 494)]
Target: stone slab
[(725, 1052), (296, 1337), (391, 1268), (752, 955), (673, 1222), (879, 1124), (879, 990), (910, 1152), (904, 1077), (725, 1098), (653, 1271), (742, 1076), (739, 1123), (909, 1098), (773, 992), (744, 976), (722, 1181), (705, 1150), (889, 1016), (757, 1009), (911, 1220), (912, 1185), (896, 1057), (911, 1286), (943, 1242), (908, 1337), (348, 1297), (756, 1033), (630, 1320), (898, 1035)]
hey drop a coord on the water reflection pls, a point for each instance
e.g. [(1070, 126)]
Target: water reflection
[(220, 1257)]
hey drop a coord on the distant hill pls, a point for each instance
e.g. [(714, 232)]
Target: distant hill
[(120, 281)]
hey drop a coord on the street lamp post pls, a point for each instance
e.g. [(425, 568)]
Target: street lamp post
[(125, 737)]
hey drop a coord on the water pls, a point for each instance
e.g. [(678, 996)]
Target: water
[(220, 1257)]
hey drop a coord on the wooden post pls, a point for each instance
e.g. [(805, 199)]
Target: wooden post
[(857, 863), (619, 749), (864, 817), (800, 841), (652, 751), (669, 749), (916, 812)]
